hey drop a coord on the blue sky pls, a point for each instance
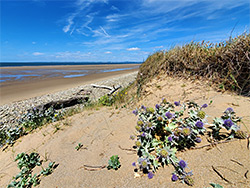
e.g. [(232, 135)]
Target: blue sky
[(113, 30)]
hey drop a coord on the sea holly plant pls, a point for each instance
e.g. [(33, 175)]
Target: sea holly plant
[(168, 128), (114, 163), (37, 117), (34, 118), (227, 121), (26, 163)]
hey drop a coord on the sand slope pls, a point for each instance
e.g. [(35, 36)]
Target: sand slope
[(103, 131)]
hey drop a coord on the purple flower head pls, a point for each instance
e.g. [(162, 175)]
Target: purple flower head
[(169, 115), (176, 103), (157, 106), (199, 124), (198, 140), (204, 106), (150, 175), (143, 134), (170, 138), (228, 123), (230, 110), (134, 164), (174, 177), (182, 164), (135, 112), (143, 107)]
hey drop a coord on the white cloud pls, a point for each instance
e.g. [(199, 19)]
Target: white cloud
[(158, 46), (133, 49), (80, 5), (108, 52), (37, 53), (104, 31), (115, 8), (33, 42)]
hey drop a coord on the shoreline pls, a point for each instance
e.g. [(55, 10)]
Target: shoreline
[(11, 112), (18, 90)]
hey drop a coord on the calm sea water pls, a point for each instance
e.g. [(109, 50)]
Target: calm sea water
[(14, 74), (18, 64)]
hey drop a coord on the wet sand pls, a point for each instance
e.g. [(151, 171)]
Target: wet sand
[(16, 90)]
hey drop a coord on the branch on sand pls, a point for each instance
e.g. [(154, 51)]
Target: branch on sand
[(221, 176), (112, 89), (133, 150), (92, 168)]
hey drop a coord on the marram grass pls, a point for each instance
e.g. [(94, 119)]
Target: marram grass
[(225, 64)]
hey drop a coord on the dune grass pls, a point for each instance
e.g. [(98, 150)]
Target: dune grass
[(225, 64)]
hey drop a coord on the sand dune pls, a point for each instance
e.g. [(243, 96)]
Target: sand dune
[(102, 132)]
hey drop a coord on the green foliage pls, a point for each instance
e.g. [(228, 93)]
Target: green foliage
[(229, 122), (168, 128), (12, 134), (106, 100), (26, 163), (49, 170), (114, 162), (36, 117), (31, 120), (79, 146)]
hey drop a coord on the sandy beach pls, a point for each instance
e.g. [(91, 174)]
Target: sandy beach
[(105, 132), (16, 90)]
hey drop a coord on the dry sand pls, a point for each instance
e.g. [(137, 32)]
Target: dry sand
[(102, 132), (16, 90)]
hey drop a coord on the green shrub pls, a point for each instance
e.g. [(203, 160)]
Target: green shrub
[(26, 163), (106, 100), (114, 162)]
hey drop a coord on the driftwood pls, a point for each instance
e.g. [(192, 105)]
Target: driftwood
[(83, 92), (92, 168), (112, 89), (221, 176), (63, 103)]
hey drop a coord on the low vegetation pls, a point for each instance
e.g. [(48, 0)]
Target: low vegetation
[(226, 64), (27, 163), (114, 163), (30, 121), (168, 128)]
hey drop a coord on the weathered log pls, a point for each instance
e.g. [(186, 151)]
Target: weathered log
[(63, 103), (112, 89)]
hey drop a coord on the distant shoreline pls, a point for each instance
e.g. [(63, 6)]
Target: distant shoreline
[(22, 64), (33, 86)]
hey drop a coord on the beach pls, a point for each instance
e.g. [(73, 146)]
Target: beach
[(53, 79), (105, 131)]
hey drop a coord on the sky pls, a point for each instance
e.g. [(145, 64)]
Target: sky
[(113, 30)]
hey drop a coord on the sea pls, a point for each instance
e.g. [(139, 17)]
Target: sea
[(11, 74)]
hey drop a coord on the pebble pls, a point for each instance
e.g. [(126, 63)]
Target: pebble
[(10, 113)]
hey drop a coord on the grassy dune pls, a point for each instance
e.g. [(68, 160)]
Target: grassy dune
[(226, 64)]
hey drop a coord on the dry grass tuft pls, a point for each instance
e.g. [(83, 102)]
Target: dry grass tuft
[(226, 64)]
